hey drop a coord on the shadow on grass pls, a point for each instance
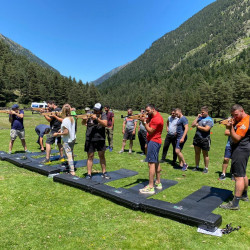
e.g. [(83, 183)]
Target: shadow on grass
[(135, 182)]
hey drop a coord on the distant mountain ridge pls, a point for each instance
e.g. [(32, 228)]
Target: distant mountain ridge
[(189, 67), (109, 74), (19, 50)]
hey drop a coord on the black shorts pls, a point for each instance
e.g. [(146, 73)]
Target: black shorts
[(92, 146), (128, 135), (203, 143), (239, 162), (51, 139)]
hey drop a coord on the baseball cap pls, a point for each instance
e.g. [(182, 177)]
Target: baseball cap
[(98, 106), (15, 106), (87, 108)]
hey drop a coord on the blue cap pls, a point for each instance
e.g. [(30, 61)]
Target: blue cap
[(15, 106)]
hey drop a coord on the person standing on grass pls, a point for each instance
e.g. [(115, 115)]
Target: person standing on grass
[(55, 125), (110, 127), (41, 130), (68, 135), (128, 130), (170, 137), (95, 139), (227, 156), (239, 128), (154, 126), (202, 141), (17, 127), (181, 131), (142, 135)]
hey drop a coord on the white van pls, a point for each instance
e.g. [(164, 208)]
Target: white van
[(38, 105), (41, 105)]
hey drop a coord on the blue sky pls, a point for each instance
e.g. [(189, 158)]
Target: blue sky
[(87, 38)]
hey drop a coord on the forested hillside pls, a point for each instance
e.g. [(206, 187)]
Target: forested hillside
[(24, 82), (203, 62)]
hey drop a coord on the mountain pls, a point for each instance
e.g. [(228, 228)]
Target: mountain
[(24, 81), (200, 63), (109, 74), (19, 50)]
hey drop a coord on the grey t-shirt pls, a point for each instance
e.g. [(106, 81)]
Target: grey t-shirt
[(130, 124)]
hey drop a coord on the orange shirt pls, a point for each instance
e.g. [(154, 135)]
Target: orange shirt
[(242, 126)]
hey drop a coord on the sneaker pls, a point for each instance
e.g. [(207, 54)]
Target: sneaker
[(46, 161), (230, 206), (121, 151), (27, 151), (9, 152), (205, 171), (106, 176), (158, 185), (147, 190), (62, 159), (162, 161), (222, 177), (107, 147), (110, 149), (196, 169), (244, 198), (88, 177), (142, 154), (130, 151), (185, 167)]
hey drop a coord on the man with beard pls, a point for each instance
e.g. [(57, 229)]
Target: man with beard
[(239, 128), (154, 126)]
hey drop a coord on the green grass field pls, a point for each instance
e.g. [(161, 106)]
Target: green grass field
[(36, 213)]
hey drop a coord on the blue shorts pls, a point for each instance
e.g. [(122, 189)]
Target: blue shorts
[(228, 152), (153, 152), (180, 145)]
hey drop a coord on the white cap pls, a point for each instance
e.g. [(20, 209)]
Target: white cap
[(98, 106), (87, 108)]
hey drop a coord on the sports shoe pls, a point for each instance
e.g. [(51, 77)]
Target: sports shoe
[(222, 177), (205, 171), (196, 169), (107, 147), (147, 190), (62, 159), (110, 149), (27, 151), (230, 206), (121, 151), (9, 152), (130, 151), (88, 177), (46, 161), (244, 198), (106, 176), (185, 167), (158, 185)]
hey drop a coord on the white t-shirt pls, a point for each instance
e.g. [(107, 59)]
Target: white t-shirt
[(66, 123)]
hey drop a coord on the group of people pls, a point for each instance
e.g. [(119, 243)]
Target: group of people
[(151, 124)]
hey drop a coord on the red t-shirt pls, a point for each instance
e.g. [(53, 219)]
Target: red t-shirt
[(157, 123)]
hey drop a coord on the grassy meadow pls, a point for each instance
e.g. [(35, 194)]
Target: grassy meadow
[(36, 213)]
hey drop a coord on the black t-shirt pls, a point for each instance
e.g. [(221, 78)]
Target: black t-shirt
[(95, 131), (55, 125)]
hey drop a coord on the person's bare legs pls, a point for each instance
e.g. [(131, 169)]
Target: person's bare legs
[(11, 145), (206, 158), (197, 151), (90, 162), (101, 155)]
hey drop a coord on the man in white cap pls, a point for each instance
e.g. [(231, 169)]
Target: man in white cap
[(95, 140)]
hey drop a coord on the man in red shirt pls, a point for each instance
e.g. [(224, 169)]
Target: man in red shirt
[(240, 135), (154, 125)]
